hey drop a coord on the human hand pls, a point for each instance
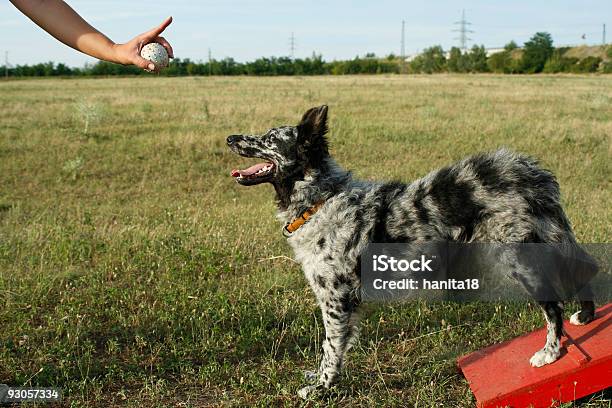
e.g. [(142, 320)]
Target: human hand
[(129, 53)]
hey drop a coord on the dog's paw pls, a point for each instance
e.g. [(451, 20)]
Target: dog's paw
[(578, 319), (310, 376), (309, 391), (544, 356), (575, 319)]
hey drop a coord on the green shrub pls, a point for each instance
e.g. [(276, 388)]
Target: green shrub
[(558, 63), (553, 65), (588, 64), (432, 60), (500, 62), (516, 66)]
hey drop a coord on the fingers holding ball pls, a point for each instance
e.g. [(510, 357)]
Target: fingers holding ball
[(155, 53)]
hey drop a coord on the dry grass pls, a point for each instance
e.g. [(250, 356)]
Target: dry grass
[(131, 265), (583, 51)]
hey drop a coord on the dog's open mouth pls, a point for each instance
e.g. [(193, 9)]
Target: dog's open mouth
[(257, 173)]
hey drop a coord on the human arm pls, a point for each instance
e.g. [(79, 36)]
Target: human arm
[(62, 22)]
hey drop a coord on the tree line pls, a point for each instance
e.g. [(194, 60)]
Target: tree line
[(272, 66), (537, 55)]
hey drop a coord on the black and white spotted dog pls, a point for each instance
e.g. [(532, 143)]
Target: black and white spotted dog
[(500, 197)]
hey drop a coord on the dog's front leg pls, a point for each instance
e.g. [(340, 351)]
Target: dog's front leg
[(340, 330), (553, 312)]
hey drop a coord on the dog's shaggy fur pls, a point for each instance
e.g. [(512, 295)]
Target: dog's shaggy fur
[(502, 197)]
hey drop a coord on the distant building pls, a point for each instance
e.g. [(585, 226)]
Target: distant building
[(491, 51)]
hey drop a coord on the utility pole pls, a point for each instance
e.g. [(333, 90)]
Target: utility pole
[(403, 47), (604, 35), (292, 45), (6, 64), (463, 31), (209, 62)]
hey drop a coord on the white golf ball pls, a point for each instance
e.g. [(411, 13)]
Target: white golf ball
[(155, 53)]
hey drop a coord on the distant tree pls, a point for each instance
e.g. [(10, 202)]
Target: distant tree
[(43, 69), (369, 66), (228, 66), (465, 63), (353, 66), (430, 61), (178, 67), (316, 65), (510, 46), (453, 59), (194, 68), (261, 66), (104, 68), (335, 67), (500, 62), (62, 70), (536, 51), (478, 59), (388, 67)]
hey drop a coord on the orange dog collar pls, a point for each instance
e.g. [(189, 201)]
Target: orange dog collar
[(294, 225)]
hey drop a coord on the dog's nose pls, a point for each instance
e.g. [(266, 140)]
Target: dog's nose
[(232, 139)]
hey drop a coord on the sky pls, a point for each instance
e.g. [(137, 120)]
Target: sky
[(339, 29)]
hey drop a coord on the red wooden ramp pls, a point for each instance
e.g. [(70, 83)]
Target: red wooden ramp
[(501, 376)]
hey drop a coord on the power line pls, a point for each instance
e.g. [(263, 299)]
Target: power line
[(463, 31)]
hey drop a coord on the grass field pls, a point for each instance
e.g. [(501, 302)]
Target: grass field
[(134, 271)]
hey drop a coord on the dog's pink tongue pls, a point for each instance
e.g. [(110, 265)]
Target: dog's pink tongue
[(247, 172)]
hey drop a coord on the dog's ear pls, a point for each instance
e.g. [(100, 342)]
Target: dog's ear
[(314, 121), (312, 143)]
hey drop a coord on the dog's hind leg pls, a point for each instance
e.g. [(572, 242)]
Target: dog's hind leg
[(553, 312), (587, 308), (585, 315)]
